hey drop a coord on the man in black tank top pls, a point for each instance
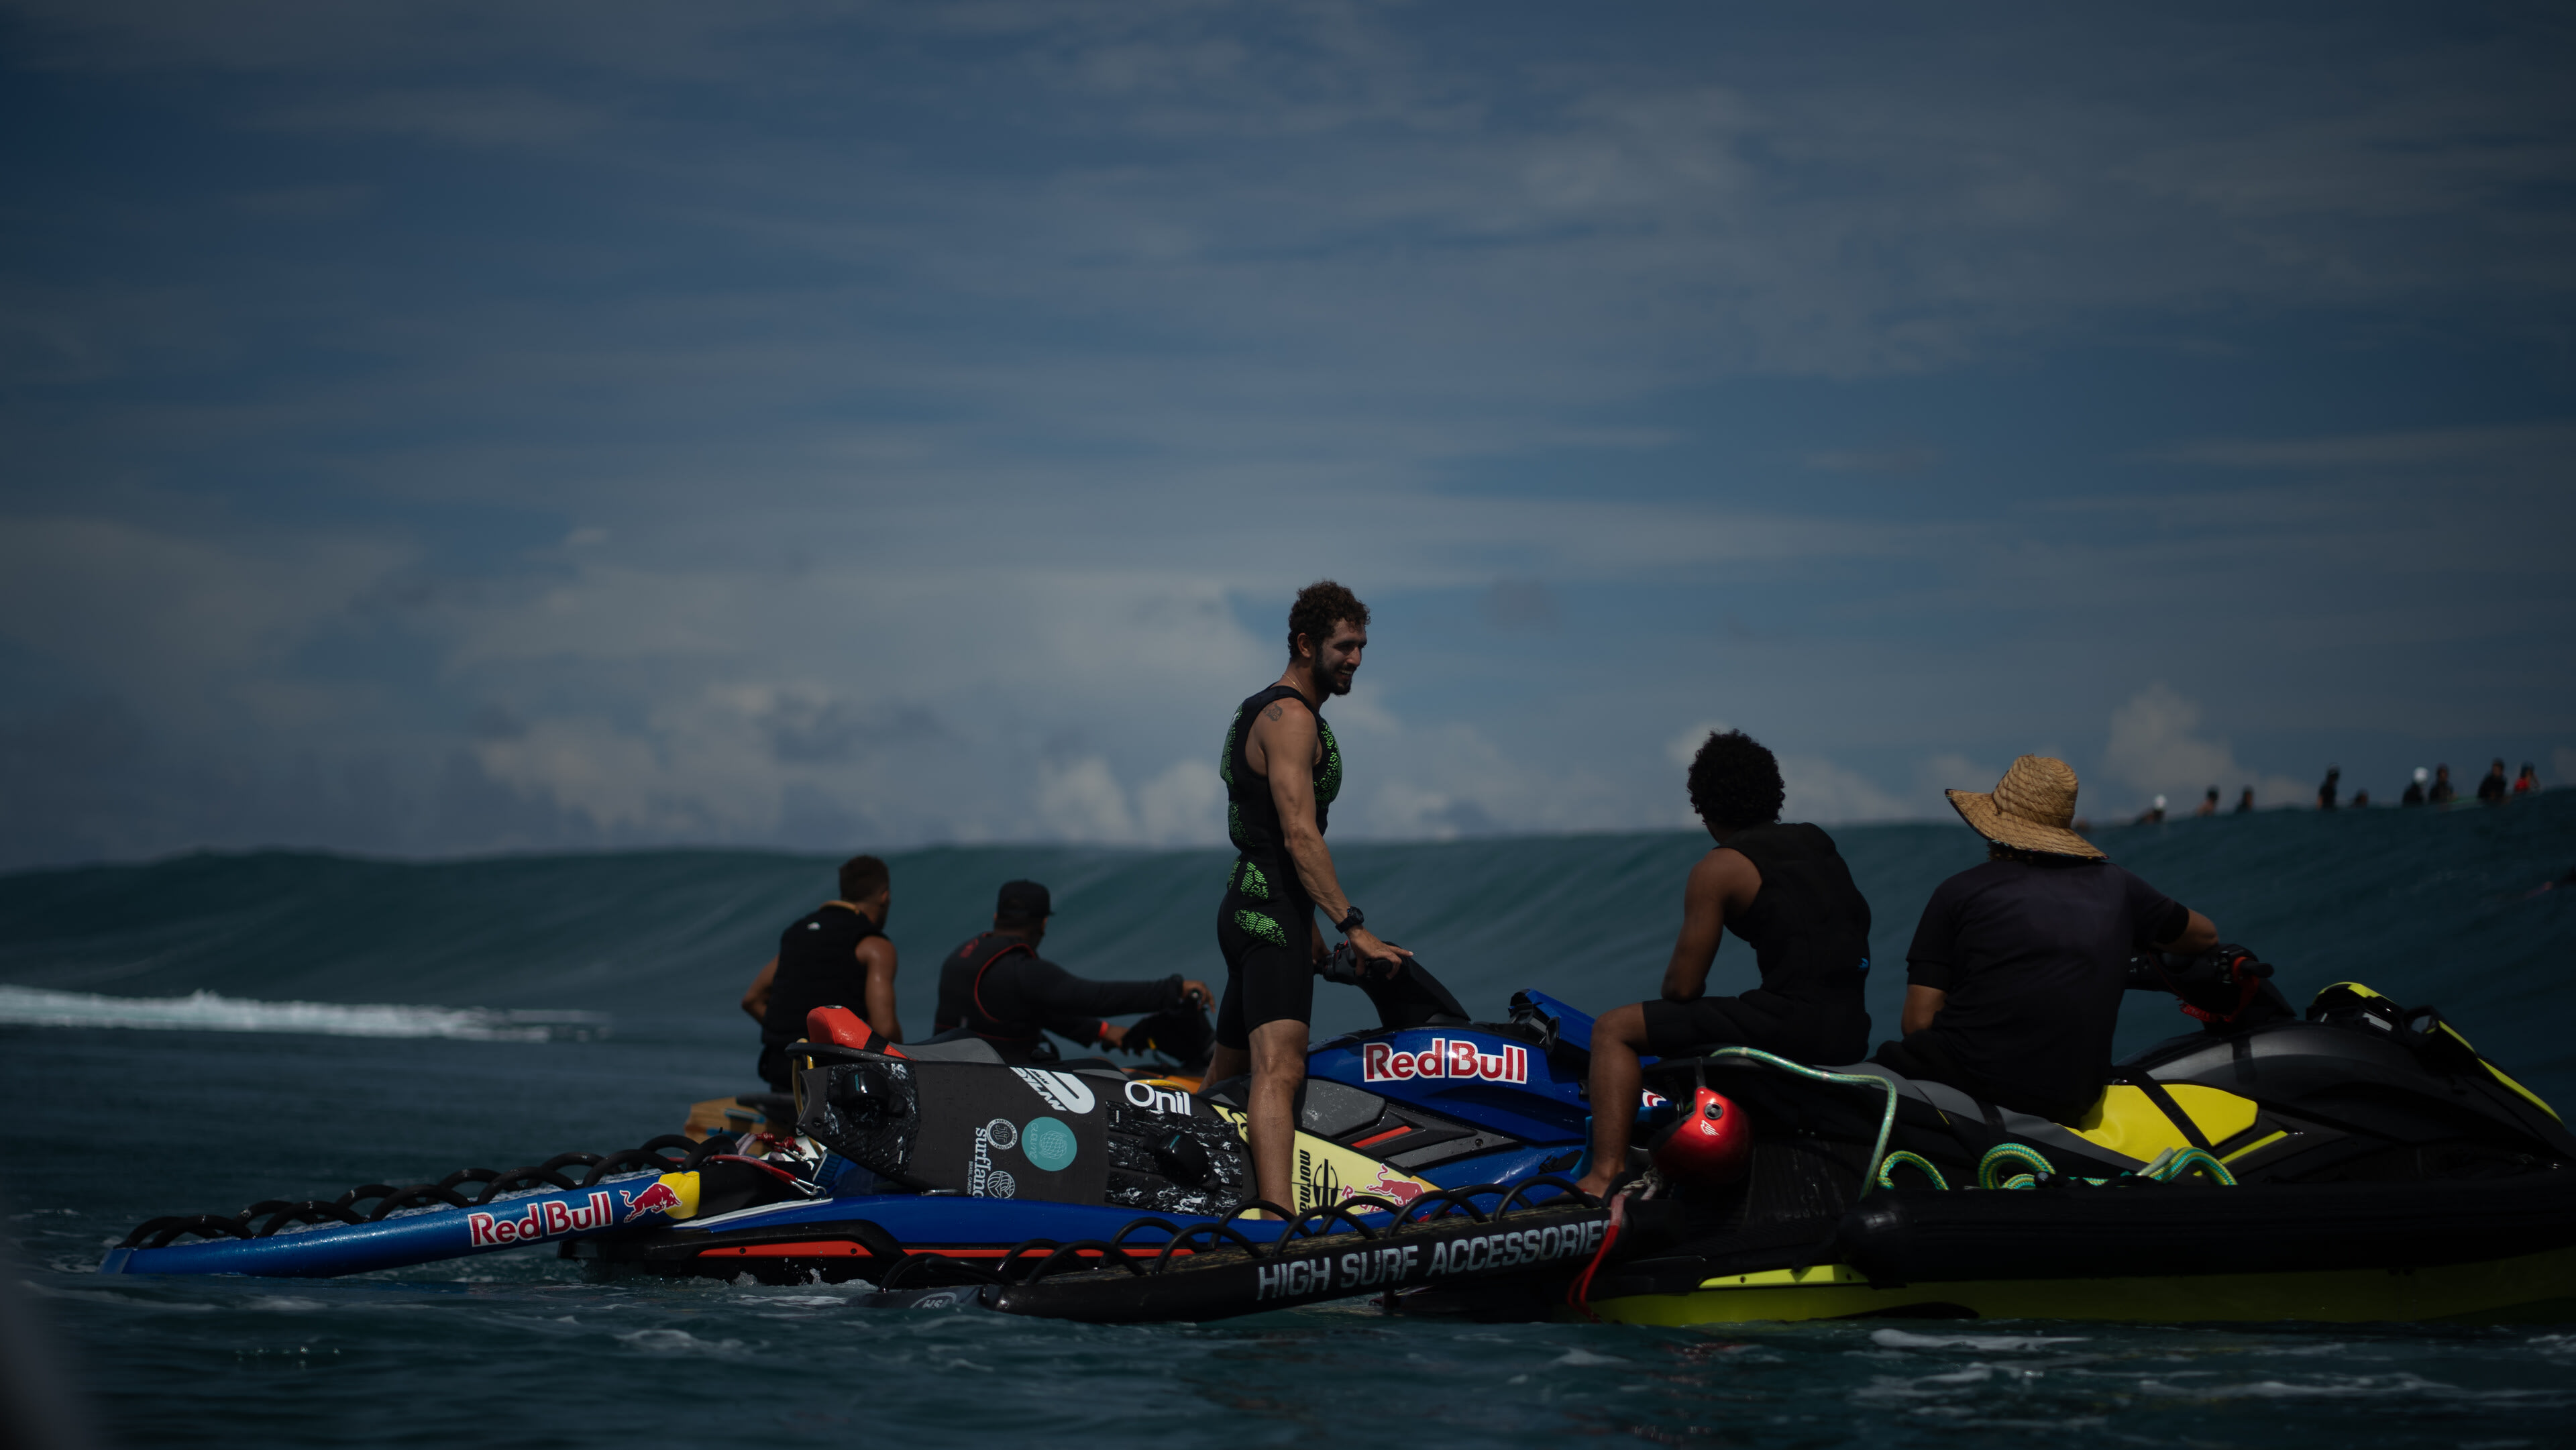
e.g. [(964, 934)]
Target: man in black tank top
[(1782, 888), (1282, 771), (837, 955), (995, 986)]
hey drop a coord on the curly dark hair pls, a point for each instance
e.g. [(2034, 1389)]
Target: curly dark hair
[(1735, 782), (863, 877), (1319, 607)]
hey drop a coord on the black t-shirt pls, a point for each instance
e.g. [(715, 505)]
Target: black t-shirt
[(2034, 959), (1009, 996), (818, 966)]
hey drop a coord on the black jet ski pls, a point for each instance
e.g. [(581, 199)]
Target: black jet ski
[(2358, 1161)]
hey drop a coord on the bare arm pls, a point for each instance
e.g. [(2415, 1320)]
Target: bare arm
[(2198, 935), (755, 998), (877, 955), (1722, 884), (1283, 745), (1922, 1004)]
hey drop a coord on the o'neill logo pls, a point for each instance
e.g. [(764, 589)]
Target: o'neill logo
[(1445, 1057), (547, 1218)]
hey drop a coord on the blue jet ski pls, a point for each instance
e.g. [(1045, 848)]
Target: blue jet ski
[(941, 1165)]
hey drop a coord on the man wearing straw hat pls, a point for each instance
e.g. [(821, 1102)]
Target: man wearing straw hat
[(2017, 968)]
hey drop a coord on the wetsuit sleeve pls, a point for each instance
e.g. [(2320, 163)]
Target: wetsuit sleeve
[(1934, 958), (2160, 918), (1072, 1006)]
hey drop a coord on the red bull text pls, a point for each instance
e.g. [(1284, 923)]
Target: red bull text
[(547, 1218), (1445, 1057)]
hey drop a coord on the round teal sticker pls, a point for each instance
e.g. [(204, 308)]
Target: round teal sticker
[(1049, 1144)]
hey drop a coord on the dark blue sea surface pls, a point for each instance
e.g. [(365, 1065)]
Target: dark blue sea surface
[(112, 1125)]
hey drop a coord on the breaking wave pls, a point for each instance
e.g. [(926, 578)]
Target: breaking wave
[(213, 1012)]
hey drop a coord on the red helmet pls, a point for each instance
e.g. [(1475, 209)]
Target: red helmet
[(1711, 1144)]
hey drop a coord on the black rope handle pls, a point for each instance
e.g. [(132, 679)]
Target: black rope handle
[(1544, 1180), (1329, 1213), (1224, 1229), (1452, 1200), (1075, 1250)]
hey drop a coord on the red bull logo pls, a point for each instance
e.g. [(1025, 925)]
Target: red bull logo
[(547, 1218), (1445, 1057), (1389, 1184), (660, 1198), (543, 1219)]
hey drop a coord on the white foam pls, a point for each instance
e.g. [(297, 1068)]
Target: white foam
[(1902, 1339), (213, 1012)]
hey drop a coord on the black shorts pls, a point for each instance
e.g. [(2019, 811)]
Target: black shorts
[(1675, 1029), (1269, 949)]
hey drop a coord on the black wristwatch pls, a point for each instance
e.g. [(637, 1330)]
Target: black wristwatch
[(1350, 923)]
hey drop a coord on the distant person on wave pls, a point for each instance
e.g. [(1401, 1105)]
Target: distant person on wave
[(2361, 800), (834, 956), (2208, 803), (2442, 792), (2153, 815), (2491, 790), (2017, 968), (995, 986), (2245, 802), (2326, 792), (1785, 891), (2528, 781), (2414, 795), (1282, 771)]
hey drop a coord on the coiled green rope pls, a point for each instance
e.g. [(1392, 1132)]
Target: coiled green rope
[(1915, 1161), (1995, 1171)]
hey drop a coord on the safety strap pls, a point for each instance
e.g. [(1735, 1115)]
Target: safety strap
[(2165, 1104)]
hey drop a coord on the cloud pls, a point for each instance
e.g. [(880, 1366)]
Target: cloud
[(1829, 794), (1682, 749), (1520, 605), (2153, 748)]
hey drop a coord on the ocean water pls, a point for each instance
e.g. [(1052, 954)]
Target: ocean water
[(296, 1024)]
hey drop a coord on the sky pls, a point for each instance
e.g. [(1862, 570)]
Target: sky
[(456, 427)]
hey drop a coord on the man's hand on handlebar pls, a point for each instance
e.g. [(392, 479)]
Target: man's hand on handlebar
[(1197, 993), (1113, 1037), (1386, 957)]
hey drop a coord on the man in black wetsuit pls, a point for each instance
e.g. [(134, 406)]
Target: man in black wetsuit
[(997, 987), (1782, 888), (2017, 969), (2491, 790), (835, 956), (1282, 771), (2442, 792)]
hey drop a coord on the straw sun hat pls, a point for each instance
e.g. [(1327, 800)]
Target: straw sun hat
[(2028, 810)]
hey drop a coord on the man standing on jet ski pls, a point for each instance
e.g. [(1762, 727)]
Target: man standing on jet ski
[(1282, 771), (837, 955), (1785, 890), (996, 986), (2017, 968)]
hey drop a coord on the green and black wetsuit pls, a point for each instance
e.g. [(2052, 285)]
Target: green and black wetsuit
[(1265, 925)]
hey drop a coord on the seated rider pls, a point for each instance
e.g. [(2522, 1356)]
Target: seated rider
[(834, 956), (2017, 968), (1785, 890), (997, 987)]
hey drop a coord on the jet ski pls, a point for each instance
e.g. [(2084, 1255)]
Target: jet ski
[(2356, 1161), (929, 1168)]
